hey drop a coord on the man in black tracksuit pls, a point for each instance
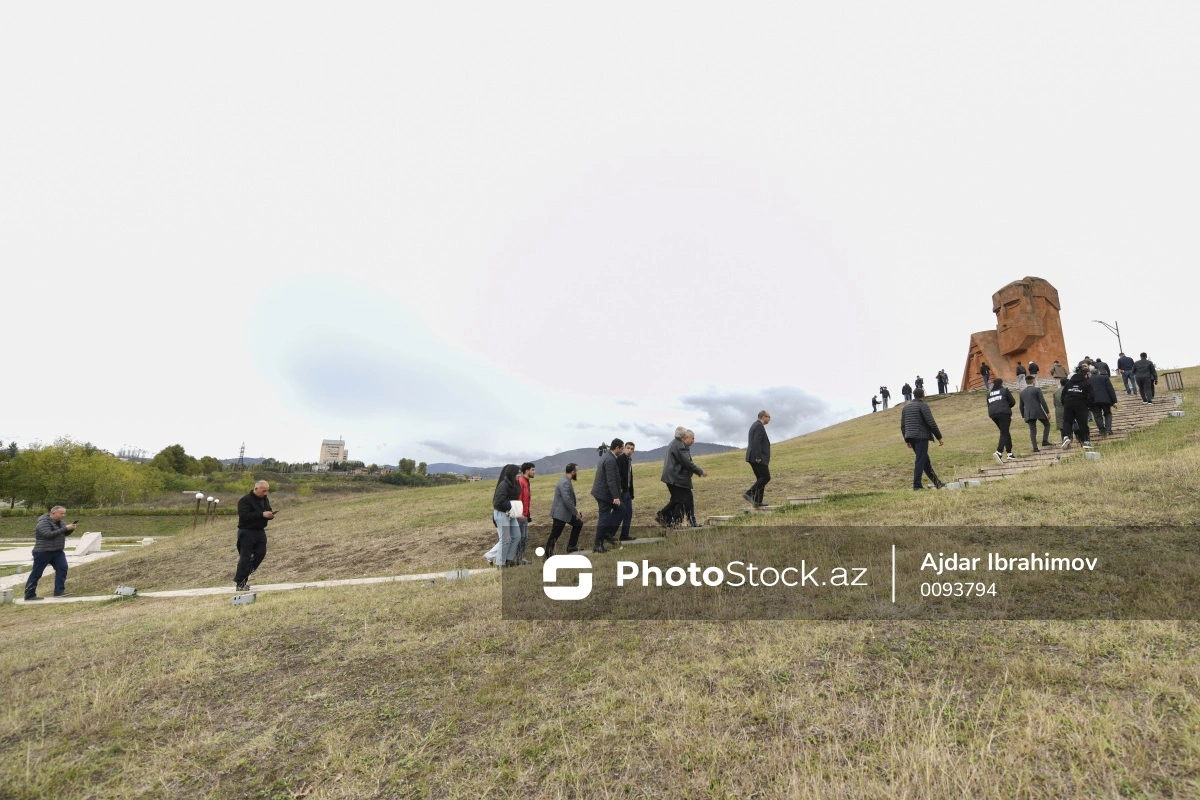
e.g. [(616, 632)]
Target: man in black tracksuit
[(254, 512), (1078, 396), (758, 456), (1000, 405)]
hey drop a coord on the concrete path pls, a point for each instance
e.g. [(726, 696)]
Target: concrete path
[(266, 587)]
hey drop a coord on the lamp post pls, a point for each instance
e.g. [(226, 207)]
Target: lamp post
[(216, 501), (1115, 330), (196, 515), (208, 509)]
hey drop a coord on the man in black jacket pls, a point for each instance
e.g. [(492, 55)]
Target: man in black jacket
[(606, 488), (1147, 376), (758, 456), (1078, 397), (1000, 404), (254, 512), (49, 541), (1105, 397), (678, 469), (917, 426), (625, 467)]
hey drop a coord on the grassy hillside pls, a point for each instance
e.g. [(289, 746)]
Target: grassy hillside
[(423, 691)]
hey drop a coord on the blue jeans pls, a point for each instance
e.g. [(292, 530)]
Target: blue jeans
[(922, 464), (508, 535), (56, 559), (626, 514), (1130, 383)]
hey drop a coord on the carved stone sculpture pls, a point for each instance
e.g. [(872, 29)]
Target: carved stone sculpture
[(1028, 328)]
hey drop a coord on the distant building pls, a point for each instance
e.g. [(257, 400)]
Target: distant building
[(333, 451)]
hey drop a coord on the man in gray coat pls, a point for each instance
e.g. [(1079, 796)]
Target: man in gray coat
[(917, 426), (49, 539), (1034, 409), (678, 469), (606, 488), (758, 456), (563, 512)]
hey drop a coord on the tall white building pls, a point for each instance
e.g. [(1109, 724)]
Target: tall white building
[(333, 451)]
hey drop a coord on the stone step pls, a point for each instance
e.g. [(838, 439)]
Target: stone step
[(719, 518), (800, 501)]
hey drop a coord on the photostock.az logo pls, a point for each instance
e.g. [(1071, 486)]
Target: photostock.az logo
[(570, 561)]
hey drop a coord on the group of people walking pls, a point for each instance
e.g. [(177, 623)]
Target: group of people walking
[(1087, 395), (909, 391), (613, 491)]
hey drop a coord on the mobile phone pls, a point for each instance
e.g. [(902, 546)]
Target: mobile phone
[(76, 522)]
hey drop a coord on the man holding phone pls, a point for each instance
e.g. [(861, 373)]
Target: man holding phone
[(254, 512), (50, 537)]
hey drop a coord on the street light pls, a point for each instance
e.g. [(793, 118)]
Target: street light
[(1115, 330), (196, 515), (208, 509)]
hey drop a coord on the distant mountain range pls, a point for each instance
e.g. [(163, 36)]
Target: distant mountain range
[(585, 457)]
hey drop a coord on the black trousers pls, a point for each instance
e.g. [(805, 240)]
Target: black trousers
[(556, 530), (1102, 414), (1033, 432), (608, 522), (252, 549), (681, 506), (1003, 423), (1075, 420), (762, 476), (1146, 387)]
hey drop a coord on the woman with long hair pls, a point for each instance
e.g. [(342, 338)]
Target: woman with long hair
[(508, 526)]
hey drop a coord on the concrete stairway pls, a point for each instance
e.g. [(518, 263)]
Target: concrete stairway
[(1129, 415)]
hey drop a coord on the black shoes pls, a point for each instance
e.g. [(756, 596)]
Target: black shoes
[(747, 497), (938, 484), (572, 549), (33, 599), (628, 538), (244, 586), (599, 549), (662, 523), (63, 593)]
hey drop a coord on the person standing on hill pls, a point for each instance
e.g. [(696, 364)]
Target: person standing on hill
[(943, 381), (1021, 373), (563, 512), (1105, 399), (1033, 410), (1057, 370), (918, 427), (1032, 369), (758, 456), (1125, 367), (523, 483), (874, 404), (1000, 404), (508, 514), (985, 372), (1078, 398), (625, 466), (678, 469), (606, 488), (49, 542), (919, 383), (885, 395), (1147, 376), (254, 512), (907, 391)]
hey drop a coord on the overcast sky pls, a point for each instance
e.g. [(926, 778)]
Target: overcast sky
[(493, 231)]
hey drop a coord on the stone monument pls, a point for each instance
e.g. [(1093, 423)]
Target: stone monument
[(1027, 327)]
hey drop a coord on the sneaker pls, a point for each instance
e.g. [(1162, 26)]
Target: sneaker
[(1066, 443), (938, 485), (1011, 457), (747, 497), (33, 599), (999, 457), (63, 593), (1087, 445)]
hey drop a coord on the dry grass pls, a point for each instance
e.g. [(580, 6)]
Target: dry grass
[(423, 691)]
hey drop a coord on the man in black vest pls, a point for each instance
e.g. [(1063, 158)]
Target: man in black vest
[(758, 456), (254, 512)]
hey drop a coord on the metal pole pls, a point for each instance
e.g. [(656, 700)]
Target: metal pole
[(196, 516), (1115, 330)]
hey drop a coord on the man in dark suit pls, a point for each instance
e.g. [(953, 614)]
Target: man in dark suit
[(625, 466), (758, 456), (606, 488)]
